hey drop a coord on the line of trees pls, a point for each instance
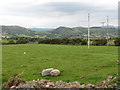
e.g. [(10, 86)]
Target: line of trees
[(99, 42), (65, 41)]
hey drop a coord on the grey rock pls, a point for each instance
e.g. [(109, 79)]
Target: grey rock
[(46, 72), (12, 87), (55, 72)]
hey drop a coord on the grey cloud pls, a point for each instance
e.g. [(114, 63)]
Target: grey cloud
[(74, 7), (61, 9), (49, 9), (67, 7)]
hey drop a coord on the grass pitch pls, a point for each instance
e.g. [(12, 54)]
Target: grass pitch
[(76, 63)]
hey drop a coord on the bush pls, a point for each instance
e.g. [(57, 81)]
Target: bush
[(117, 42), (111, 43), (13, 81), (99, 42), (84, 42), (11, 42), (22, 42)]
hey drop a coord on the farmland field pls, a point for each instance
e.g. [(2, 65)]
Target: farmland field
[(94, 64)]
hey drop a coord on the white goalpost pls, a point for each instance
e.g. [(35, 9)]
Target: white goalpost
[(88, 30)]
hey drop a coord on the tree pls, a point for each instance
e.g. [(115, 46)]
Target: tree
[(117, 42), (99, 42), (11, 42)]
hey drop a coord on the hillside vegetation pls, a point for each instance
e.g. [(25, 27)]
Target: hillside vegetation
[(17, 31), (60, 32)]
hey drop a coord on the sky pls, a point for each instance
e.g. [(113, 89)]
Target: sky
[(55, 13)]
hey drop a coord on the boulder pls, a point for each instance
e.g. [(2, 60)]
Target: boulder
[(118, 61), (55, 72), (12, 87), (50, 83), (47, 86), (46, 72)]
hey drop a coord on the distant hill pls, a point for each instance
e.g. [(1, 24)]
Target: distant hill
[(60, 32), (110, 26), (78, 32), (41, 29), (17, 31)]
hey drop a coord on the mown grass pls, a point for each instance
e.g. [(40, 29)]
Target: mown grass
[(94, 64)]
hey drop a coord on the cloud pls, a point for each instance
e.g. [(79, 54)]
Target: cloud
[(37, 13)]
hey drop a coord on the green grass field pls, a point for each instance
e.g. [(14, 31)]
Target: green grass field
[(94, 64)]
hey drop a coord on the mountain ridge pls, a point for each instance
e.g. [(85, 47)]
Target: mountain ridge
[(60, 32)]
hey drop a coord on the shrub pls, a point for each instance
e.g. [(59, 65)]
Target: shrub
[(11, 42), (111, 43), (84, 42), (13, 81), (99, 42), (117, 42), (22, 42)]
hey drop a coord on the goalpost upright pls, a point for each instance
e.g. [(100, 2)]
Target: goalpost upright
[(88, 30)]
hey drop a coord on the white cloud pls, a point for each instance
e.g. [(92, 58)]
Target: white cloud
[(39, 13)]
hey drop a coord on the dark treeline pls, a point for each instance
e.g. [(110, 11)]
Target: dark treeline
[(65, 41), (24, 38)]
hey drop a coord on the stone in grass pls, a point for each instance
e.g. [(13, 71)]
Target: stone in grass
[(46, 72), (55, 72), (51, 84), (12, 87), (118, 61)]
